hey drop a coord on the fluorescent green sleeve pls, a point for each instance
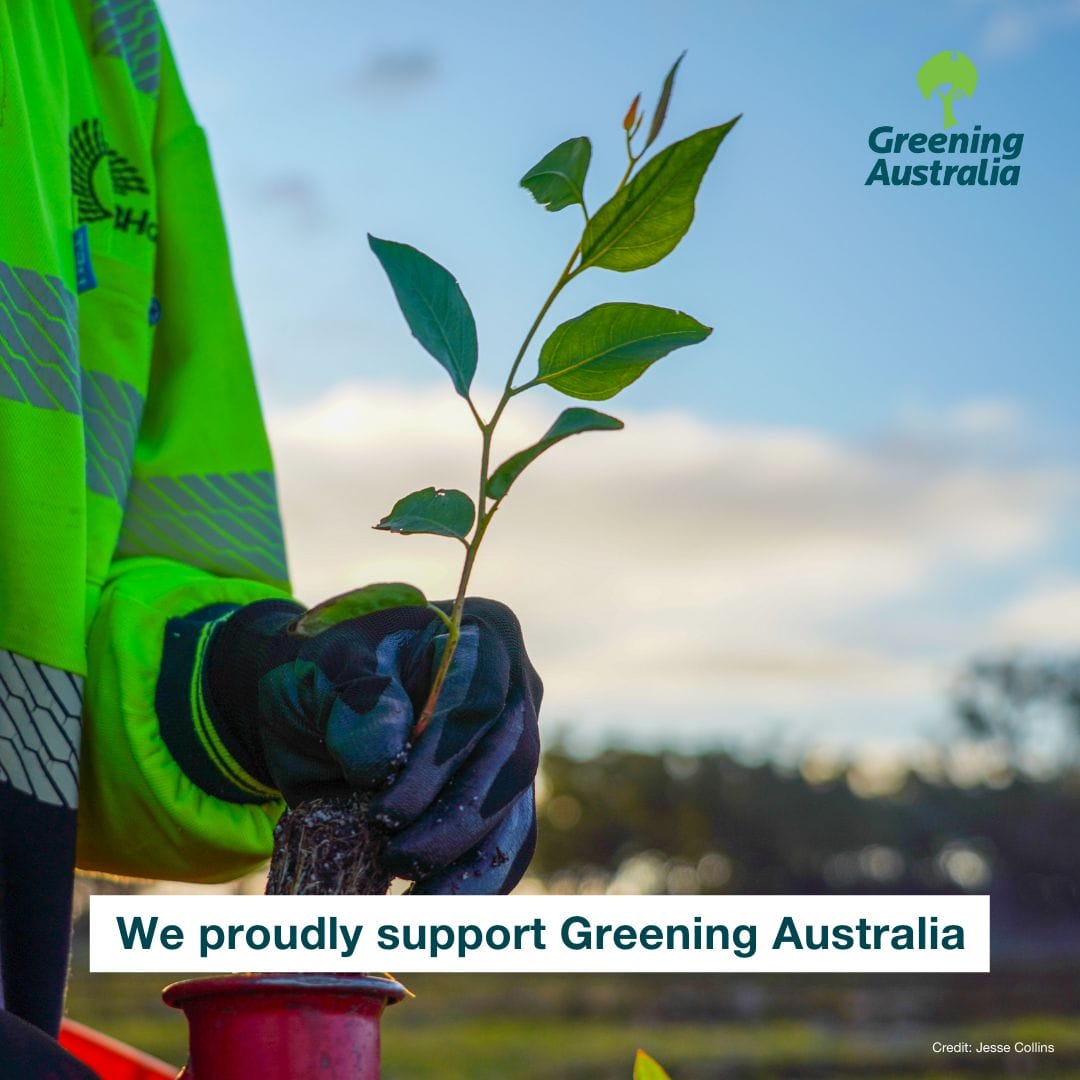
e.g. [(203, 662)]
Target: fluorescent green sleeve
[(139, 813), (200, 528)]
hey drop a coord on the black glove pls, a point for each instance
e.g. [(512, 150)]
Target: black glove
[(333, 713)]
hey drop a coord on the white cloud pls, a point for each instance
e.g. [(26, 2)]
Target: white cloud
[(1012, 28), (1009, 31), (677, 573), (969, 422), (1047, 618)]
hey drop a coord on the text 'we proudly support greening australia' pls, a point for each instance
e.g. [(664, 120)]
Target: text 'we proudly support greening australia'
[(575, 933), (901, 160)]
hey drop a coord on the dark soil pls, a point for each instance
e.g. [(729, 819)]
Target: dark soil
[(328, 847)]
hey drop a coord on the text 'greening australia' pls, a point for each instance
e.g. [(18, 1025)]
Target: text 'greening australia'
[(993, 148), (923, 934)]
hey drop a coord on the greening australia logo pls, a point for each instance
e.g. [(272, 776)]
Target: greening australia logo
[(964, 158), (950, 75)]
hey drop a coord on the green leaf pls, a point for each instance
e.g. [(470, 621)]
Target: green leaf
[(646, 1068), (570, 422), (595, 355), (660, 114), (645, 220), (439, 512), (351, 605), (434, 307), (557, 180)]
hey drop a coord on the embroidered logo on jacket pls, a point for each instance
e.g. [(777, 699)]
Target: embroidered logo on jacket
[(99, 173)]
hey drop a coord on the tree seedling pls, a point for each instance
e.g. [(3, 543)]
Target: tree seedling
[(591, 357)]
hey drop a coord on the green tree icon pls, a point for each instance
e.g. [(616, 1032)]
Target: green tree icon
[(948, 69)]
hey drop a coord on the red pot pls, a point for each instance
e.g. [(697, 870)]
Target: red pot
[(283, 1027)]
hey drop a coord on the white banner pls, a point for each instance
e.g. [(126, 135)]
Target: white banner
[(407, 934)]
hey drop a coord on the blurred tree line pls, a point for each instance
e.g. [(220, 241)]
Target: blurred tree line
[(981, 813)]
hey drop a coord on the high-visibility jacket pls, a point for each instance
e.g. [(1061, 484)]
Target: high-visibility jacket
[(135, 475)]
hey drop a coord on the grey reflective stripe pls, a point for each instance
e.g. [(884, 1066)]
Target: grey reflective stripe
[(131, 31), (40, 728), (223, 523), (39, 350), (112, 413), (39, 365)]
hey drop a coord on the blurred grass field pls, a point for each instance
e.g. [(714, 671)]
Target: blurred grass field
[(483, 1027)]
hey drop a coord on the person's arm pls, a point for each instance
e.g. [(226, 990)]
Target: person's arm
[(200, 530), (74, 347)]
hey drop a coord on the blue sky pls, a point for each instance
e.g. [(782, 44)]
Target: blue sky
[(832, 301), (928, 334)]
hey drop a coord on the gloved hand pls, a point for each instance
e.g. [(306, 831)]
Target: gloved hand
[(332, 713)]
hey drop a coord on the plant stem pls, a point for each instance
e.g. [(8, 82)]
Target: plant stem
[(483, 514), (487, 431), (567, 273), (476, 415), (632, 159)]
